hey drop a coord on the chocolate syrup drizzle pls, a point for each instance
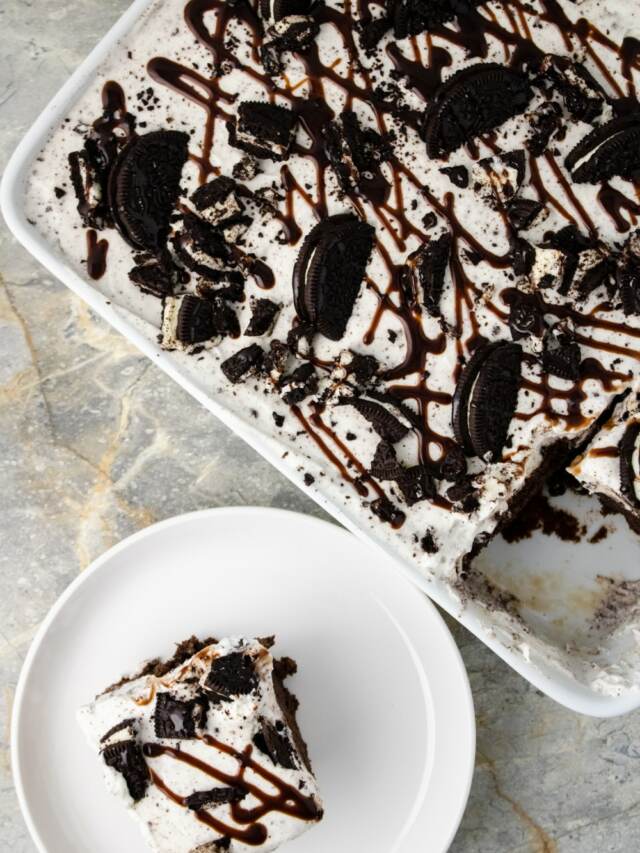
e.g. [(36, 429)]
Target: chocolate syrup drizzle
[(287, 800), (384, 202), (96, 255)]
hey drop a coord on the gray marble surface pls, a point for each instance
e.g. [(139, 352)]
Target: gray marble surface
[(93, 446)]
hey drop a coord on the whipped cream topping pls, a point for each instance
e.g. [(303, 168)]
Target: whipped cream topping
[(219, 762), (195, 80)]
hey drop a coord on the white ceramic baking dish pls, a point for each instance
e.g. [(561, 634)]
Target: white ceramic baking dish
[(555, 581)]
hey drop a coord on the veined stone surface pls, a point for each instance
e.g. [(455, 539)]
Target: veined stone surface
[(93, 446)]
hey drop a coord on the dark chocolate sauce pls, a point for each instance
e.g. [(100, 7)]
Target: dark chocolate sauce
[(96, 255), (614, 202), (287, 799)]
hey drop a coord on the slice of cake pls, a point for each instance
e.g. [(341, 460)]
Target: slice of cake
[(205, 750), (610, 466)]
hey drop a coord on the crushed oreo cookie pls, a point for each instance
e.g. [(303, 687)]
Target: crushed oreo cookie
[(275, 744), (263, 129), (174, 718), (238, 365), (232, 675), (263, 315), (214, 797)]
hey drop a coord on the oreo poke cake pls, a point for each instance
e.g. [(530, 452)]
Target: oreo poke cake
[(400, 239), (205, 749)]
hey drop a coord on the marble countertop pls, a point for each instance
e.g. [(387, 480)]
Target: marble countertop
[(93, 447)]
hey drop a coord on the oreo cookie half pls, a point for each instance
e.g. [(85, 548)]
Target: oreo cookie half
[(264, 130), (630, 464), (475, 100), (144, 186), (329, 271), (388, 427), (612, 150), (486, 397)]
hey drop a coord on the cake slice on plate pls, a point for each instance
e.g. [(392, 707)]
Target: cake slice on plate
[(205, 749)]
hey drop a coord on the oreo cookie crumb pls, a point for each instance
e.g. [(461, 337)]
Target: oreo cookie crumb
[(214, 797), (387, 512), (264, 313), (428, 543), (236, 367)]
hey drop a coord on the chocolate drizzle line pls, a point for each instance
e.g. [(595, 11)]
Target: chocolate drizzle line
[(96, 255), (287, 799), (423, 69)]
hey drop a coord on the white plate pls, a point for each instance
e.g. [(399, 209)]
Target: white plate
[(385, 701)]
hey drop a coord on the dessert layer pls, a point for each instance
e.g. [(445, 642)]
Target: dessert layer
[(205, 750), (399, 241)]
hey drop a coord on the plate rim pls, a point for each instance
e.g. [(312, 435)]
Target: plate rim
[(555, 683), (148, 532)]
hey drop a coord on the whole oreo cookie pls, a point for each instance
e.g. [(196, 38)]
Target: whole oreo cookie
[(329, 271), (629, 464), (476, 100), (612, 150), (485, 399), (144, 186)]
